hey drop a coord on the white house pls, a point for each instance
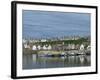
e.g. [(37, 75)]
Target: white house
[(43, 40), (34, 47), (44, 47), (82, 47), (39, 47), (73, 46), (69, 46), (88, 47), (26, 46), (49, 47)]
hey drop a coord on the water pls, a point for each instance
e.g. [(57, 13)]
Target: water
[(31, 61)]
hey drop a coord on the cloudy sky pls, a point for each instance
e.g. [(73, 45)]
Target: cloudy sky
[(48, 24)]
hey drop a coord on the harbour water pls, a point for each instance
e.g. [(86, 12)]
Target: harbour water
[(31, 61)]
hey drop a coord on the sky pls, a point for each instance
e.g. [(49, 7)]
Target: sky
[(48, 24)]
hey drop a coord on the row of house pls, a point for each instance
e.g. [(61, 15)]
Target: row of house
[(53, 39), (57, 47), (34, 47)]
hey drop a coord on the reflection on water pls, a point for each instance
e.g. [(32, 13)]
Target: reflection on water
[(31, 61)]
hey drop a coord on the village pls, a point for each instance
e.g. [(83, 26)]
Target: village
[(57, 47)]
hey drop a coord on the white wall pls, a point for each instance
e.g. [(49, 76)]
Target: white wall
[(5, 43)]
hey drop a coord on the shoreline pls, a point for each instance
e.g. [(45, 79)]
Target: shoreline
[(54, 53)]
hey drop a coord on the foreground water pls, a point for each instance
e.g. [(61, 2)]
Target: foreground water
[(31, 61)]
